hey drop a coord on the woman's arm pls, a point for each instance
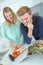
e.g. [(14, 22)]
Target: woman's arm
[(4, 36)]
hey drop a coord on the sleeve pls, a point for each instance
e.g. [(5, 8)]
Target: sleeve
[(21, 35), (26, 38), (21, 39), (4, 36), (41, 30)]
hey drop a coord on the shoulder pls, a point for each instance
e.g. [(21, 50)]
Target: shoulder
[(21, 26), (3, 24), (37, 19), (19, 21), (41, 20)]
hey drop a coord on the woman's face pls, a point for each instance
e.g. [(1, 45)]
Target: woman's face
[(9, 17)]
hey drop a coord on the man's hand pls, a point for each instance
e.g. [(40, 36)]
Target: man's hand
[(41, 41), (30, 29), (30, 26)]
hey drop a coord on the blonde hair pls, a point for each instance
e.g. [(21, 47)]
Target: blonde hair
[(8, 9), (23, 10)]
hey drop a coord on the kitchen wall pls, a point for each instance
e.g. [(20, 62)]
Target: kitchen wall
[(38, 9), (35, 5)]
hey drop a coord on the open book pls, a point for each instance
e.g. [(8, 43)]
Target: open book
[(24, 54)]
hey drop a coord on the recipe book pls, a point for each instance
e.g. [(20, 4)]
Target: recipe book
[(24, 55)]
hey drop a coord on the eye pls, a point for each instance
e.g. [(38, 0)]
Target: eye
[(26, 18), (9, 14)]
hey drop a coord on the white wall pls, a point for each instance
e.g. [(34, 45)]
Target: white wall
[(15, 5), (38, 10)]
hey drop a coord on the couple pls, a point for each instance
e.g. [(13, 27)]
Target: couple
[(12, 28), (16, 32)]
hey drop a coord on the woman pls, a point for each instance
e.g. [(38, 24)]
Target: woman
[(10, 29)]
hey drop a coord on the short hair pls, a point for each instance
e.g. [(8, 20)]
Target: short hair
[(23, 10)]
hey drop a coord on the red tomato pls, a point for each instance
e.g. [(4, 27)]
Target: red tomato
[(18, 53), (14, 55)]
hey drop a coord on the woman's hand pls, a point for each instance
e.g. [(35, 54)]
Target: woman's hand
[(18, 46), (11, 44)]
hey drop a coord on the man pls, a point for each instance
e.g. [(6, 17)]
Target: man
[(31, 26)]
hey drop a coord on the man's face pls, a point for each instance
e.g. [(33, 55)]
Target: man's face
[(26, 18), (9, 17)]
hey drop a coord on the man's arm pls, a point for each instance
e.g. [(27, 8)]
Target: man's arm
[(27, 39), (30, 29), (41, 31)]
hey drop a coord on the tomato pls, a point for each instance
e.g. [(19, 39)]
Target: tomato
[(18, 53), (14, 55)]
